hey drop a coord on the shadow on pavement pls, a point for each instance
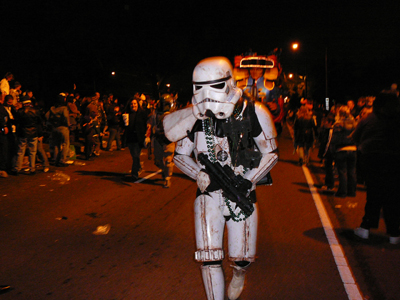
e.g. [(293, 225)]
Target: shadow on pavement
[(376, 240), (317, 234), (119, 178), (293, 162)]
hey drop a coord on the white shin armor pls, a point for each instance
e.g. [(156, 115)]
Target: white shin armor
[(214, 281)]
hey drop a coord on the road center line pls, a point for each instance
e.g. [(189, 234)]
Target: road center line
[(345, 272)]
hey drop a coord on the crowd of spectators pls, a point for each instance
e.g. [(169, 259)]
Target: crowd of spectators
[(360, 141), (361, 144), (46, 136)]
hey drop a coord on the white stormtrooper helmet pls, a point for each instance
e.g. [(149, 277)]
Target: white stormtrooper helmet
[(214, 89)]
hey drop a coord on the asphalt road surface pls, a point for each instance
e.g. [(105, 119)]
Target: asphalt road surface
[(99, 237)]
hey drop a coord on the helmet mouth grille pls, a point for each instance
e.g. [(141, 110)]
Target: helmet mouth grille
[(209, 100)]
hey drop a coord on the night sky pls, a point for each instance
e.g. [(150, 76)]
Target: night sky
[(51, 45)]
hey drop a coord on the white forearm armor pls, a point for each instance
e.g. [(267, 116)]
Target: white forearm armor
[(183, 160)]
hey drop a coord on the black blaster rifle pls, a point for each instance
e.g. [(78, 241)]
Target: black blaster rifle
[(234, 187)]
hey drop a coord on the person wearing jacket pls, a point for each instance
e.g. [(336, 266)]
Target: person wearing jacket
[(378, 139), (3, 138), (58, 120), (8, 134), (163, 148), (344, 151), (304, 132), (114, 121), (91, 131), (135, 135), (28, 130)]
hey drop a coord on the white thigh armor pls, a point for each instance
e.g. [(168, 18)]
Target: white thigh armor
[(210, 212)]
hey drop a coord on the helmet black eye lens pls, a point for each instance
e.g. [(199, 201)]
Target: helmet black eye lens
[(219, 86), (198, 87)]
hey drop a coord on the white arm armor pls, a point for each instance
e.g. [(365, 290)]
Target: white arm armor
[(266, 143), (183, 160)]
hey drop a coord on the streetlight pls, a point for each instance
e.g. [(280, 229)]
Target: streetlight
[(295, 47), (114, 73)]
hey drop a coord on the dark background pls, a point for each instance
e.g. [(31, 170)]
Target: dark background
[(49, 45)]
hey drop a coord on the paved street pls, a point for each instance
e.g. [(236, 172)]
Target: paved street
[(50, 250)]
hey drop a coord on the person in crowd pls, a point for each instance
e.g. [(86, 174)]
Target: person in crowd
[(152, 105), (78, 102), (116, 102), (12, 131), (143, 104), (74, 118), (343, 149), (135, 135), (41, 153), (28, 130), (364, 107), (378, 138), (114, 121), (84, 104), (29, 95), (102, 120), (97, 105), (304, 131), (108, 104), (16, 93), (91, 131), (352, 106), (163, 148), (323, 152), (359, 107), (5, 85), (58, 121), (367, 109), (392, 90), (93, 104), (3, 138)]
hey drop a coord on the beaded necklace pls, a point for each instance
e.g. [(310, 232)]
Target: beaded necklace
[(208, 128)]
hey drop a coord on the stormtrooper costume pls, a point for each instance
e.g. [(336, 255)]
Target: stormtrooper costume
[(231, 131)]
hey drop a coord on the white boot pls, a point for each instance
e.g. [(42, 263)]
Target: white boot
[(362, 233), (236, 286), (214, 281)]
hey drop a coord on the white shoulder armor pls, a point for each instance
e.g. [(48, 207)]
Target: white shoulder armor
[(266, 120), (177, 124), (266, 141)]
